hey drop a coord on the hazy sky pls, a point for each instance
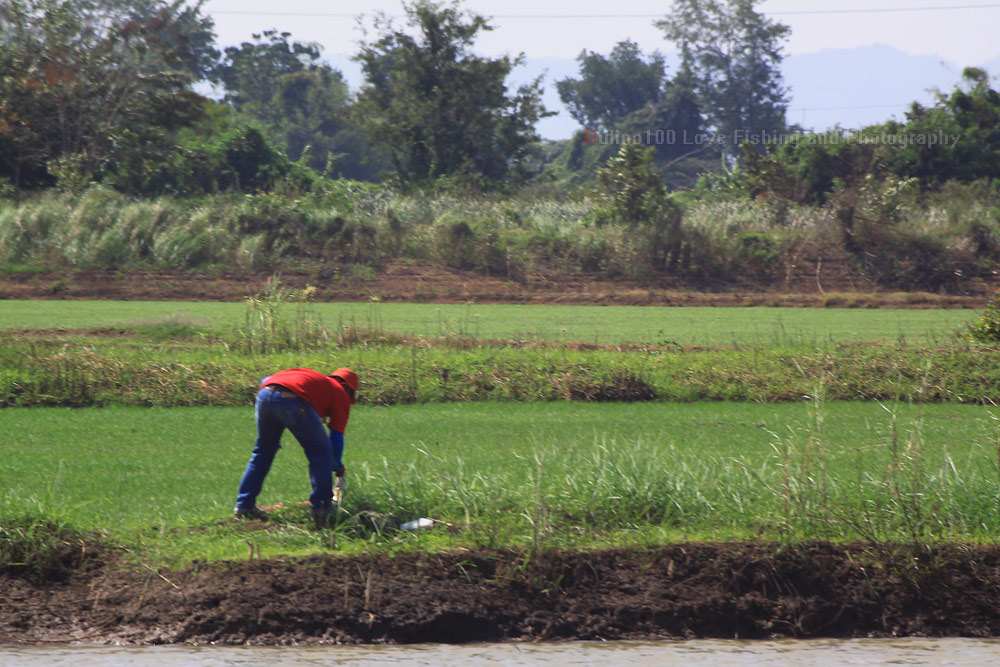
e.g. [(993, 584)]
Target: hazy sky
[(965, 34), (850, 91)]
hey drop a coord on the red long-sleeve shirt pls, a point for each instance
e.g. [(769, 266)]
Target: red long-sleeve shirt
[(326, 395)]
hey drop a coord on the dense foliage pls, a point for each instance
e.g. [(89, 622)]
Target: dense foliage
[(733, 53), (611, 88), (98, 104), (304, 103), (85, 83), (439, 109), (955, 140)]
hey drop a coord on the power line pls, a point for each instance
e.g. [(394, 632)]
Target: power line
[(885, 10), (862, 106), (791, 12)]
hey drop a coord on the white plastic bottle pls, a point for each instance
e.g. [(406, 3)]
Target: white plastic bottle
[(417, 524)]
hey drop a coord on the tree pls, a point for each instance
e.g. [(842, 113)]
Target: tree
[(311, 106), (84, 81), (435, 107), (301, 101), (179, 34), (252, 72), (958, 138), (671, 124), (317, 125), (734, 54), (965, 126), (633, 189), (611, 88)]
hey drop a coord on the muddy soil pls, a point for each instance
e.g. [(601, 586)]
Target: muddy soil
[(676, 591), (819, 281)]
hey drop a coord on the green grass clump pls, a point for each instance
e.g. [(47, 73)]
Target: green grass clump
[(175, 326), (986, 328), (45, 549)]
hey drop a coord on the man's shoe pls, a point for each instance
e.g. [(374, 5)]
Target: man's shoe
[(321, 515), (250, 513)]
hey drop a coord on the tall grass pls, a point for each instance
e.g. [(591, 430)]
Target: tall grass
[(278, 319), (46, 549), (903, 488), (913, 244)]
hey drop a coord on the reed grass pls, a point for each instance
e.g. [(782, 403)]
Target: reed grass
[(349, 224)]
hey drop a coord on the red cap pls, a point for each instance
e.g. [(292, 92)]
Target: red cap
[(350, 378)]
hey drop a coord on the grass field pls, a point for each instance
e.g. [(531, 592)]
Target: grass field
[(692, 326), (162, 481), (521, 445)]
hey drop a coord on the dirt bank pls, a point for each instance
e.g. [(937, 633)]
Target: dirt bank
[(684, 590), (827, 283)]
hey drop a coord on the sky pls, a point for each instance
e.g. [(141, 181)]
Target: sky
[(957, 33)]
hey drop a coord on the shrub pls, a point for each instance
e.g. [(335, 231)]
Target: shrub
[(634, 194), (987, 328)]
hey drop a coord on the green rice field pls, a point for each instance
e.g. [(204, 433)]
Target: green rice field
[(688, 326), (516, 474), (495, 421)]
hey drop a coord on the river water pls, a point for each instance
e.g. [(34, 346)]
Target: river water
[(791, 653)]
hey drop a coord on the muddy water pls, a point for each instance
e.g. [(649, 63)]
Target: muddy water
[(611, 654)]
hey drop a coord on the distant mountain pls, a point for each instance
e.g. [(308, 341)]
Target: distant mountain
[(861, 86), (993, 67), (846, 87)]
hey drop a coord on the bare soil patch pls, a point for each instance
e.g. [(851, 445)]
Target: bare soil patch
[(738, 590), (816, 282)]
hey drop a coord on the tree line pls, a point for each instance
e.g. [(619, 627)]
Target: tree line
[(136, 94), (113, 91)]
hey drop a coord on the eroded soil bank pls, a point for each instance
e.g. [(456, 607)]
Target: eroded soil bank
[(676, 591)]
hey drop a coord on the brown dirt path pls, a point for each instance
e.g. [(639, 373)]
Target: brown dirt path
[(834, 286), (676, 591)]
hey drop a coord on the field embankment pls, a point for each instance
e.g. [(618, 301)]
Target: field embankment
[(421, 354), (817, 284), (44, 373), (727, 591)]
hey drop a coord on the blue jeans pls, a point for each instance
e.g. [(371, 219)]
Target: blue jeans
[(275, 413)]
